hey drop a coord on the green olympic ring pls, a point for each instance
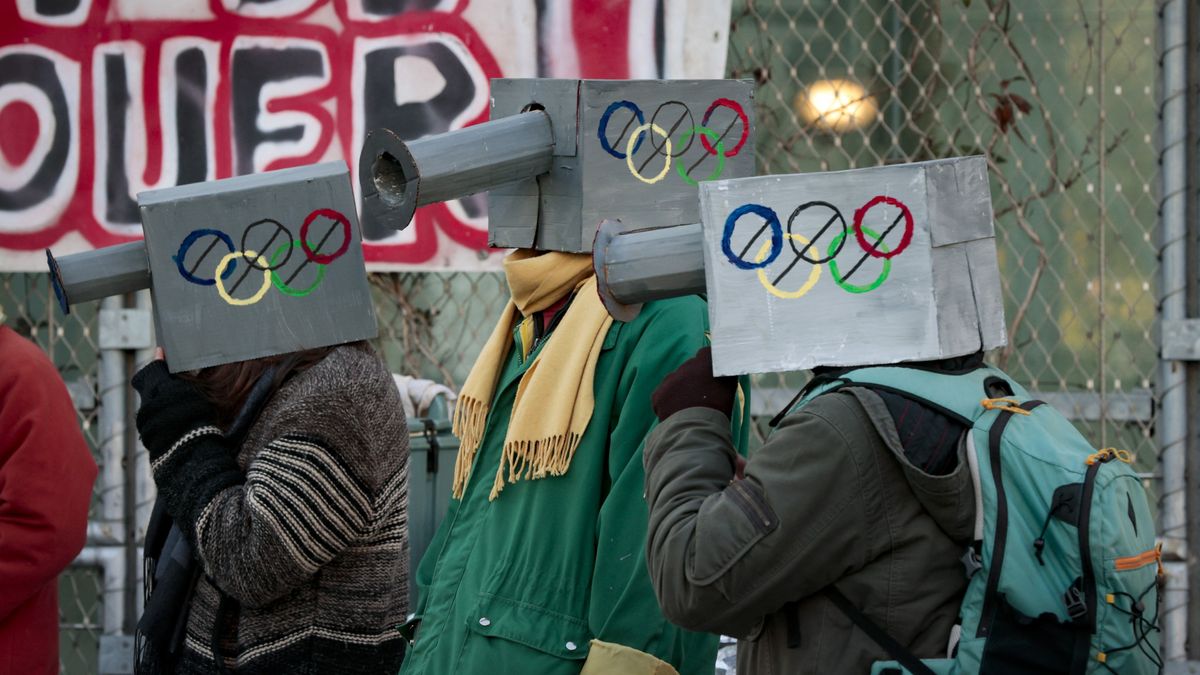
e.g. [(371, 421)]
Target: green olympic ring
[(283, 287), (837, 277), (710, 135)]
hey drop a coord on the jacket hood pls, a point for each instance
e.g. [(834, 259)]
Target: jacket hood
[(949, 498)]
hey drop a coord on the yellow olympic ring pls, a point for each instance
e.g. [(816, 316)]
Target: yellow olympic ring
[(813, 276), (666, 146), (247, 254)]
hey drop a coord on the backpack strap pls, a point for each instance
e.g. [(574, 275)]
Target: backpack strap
[(955, 395), (815, 387), (879, 636)]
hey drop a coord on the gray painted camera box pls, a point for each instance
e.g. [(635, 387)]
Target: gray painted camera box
[(628, 150), (257, 265), (869, 266)]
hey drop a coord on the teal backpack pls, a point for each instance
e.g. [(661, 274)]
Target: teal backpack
[(1064, 571)]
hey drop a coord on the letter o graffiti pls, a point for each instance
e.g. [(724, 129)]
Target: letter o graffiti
[(40, 72)]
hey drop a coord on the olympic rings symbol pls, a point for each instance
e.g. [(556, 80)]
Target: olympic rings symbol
[(871, 244), (671, 132), (268, 258)]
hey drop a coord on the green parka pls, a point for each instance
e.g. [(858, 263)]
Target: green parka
[(524, 583)]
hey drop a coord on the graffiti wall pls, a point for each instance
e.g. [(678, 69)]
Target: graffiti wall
[(102, 99)]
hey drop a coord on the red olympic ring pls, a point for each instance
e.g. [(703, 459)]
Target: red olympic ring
[(737, 109), (862, 239), (337, 218)]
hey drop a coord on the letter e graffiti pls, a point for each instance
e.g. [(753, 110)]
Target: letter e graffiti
[(39, 122)]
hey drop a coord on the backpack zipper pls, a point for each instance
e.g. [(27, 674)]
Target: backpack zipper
[(1039, 544), (1000, 534), (1138, 561)]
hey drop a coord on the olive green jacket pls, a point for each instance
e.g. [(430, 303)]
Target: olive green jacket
[(829, 499), (525, 583)]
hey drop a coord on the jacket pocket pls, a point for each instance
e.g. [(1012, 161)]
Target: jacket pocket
[(731, 523), (546, 631)]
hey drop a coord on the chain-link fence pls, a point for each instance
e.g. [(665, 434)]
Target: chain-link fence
[(1061, 98)]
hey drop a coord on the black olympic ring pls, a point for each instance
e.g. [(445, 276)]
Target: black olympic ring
[(837, 215), (253, 264), (267, 247), (676, 152)]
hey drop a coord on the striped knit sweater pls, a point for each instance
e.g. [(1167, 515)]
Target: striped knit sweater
[(301, 531)]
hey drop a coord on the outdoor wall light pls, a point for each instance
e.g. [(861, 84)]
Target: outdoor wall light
[(835, 105)]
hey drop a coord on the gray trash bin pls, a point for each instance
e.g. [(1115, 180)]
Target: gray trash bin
[(432, 449)]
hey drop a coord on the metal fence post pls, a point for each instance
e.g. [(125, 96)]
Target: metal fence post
[(144, 489), (123, 333), (1172, 377), (112, 475)]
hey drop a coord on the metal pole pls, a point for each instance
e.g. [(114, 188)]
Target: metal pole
[(113, 383), (1172, 424), (111, 561), (1193, 308), (129, 465), (1102, 221), (144, 488)]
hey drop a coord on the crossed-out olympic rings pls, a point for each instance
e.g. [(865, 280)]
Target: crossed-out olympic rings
[(712, 142), (267, 260), (870, 242)]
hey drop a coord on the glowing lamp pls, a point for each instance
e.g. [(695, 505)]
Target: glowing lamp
[(836, 105)]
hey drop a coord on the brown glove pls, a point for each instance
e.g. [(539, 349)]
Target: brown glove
[(693, 385)]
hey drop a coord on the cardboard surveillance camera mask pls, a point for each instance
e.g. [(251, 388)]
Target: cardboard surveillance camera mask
[(560, 156), (240, 268), (861, 267)]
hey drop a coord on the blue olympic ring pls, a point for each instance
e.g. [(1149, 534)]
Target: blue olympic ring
[(602, 130), (772, 219), (187, 244)]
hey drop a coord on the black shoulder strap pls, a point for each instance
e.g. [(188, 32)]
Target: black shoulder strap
[(877, 634)]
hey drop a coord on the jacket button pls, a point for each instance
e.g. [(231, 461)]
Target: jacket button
[(484, 621), (571, 646)]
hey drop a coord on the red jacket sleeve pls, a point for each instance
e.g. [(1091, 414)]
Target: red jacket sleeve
[(46, 473)]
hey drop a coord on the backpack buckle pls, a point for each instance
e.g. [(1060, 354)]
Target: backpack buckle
[(1076, 603), (971, 562)]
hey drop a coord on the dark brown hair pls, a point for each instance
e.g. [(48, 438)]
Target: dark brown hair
[(226, 386)]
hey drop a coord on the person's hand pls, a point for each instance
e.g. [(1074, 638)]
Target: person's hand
[(739, 468), (693, 385), (171, 407)]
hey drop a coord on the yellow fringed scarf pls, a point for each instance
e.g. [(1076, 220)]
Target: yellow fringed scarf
[(554, 398)]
